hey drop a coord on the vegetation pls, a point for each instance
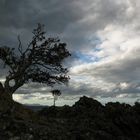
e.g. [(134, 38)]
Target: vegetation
[(87, 119), (40, 62), (55, 94)]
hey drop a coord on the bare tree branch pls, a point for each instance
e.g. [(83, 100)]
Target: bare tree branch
[(40, 62), (20, 45)]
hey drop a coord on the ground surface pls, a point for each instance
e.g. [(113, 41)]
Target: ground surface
[(86, 120)]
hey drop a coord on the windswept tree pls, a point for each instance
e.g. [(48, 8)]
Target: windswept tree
[(41, 61), (55, 94)]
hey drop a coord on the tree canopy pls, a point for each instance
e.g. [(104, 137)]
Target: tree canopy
[(55, 94), (40, 62)]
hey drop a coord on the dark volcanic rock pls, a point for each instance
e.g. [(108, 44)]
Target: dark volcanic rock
[(86, 120), (87, 107), (87, 103)]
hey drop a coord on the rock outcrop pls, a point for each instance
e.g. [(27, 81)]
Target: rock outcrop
[(87, 119)]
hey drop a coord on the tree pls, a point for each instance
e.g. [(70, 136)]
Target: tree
[(55, 94), (40, 62)]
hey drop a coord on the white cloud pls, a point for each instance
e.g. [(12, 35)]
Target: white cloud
[(119, 64)]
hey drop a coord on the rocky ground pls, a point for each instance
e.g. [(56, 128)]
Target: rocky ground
[(86, 120)]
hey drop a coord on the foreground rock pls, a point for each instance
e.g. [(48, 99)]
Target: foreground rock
[(86, 120)]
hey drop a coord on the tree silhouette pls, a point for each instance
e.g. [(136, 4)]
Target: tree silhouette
[(55, 94), (40, 62)]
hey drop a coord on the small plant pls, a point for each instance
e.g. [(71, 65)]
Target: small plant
[(55, 94)]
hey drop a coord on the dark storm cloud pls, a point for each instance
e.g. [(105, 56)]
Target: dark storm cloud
[(27, 13), (20, 17), (73, 20)]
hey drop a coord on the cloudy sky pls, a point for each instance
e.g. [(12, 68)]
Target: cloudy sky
[(102, 35)]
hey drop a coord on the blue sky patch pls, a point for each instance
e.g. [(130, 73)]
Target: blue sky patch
[(85, 57)]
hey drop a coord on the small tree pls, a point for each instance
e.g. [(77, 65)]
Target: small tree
[(40, 62), (55, 94)]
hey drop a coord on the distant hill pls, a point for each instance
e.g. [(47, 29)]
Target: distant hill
[(35, 107)]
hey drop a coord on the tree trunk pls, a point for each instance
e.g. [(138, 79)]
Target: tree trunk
[(4, 95), (54, 101)]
